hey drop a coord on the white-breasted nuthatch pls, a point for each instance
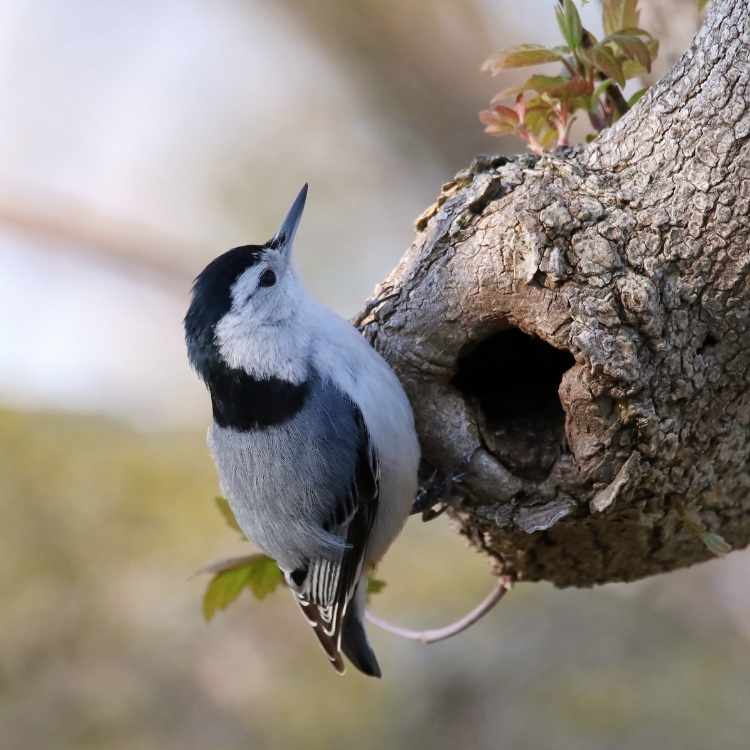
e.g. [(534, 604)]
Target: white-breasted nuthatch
[(312, 435)]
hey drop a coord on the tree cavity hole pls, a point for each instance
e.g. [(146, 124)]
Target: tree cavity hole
[(513, 379)]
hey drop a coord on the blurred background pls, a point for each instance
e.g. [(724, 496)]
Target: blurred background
[(137, 141)]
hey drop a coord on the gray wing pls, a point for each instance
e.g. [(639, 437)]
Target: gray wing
[(324, 587), (290, 485)]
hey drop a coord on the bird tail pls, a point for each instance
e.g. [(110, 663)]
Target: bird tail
[(327, 627), (354, 641)]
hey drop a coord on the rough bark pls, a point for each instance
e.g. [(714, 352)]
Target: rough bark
[(573, 333)]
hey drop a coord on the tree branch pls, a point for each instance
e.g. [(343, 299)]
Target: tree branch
[(435, 635), (573, 334), (64, 225)]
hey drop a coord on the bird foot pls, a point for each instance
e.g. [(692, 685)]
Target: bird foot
[(435, 495)]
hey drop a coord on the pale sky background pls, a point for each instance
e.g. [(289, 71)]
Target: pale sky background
[(199, 121)]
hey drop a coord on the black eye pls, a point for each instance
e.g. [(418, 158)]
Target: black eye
[(268, 278)]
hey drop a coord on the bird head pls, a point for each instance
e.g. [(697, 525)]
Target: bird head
[(242, 291)]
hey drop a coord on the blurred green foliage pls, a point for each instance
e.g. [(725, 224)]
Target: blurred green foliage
[(103, 646)]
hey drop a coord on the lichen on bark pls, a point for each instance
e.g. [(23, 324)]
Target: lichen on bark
[(572, 331)]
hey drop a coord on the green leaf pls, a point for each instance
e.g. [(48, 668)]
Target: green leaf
[(223, 589), (632, 69), (561, 50), (652, 44), (716, 543), (570, 23), (223, 505), (520, 57), (538, 111), (265, 577), (541, 83), (575, 29), (619, 14), (635, 31), (632, 47), (538, 123), (702, 5), (548, 138), (559, 87), (374, 585), (603, 59), (258, 573)]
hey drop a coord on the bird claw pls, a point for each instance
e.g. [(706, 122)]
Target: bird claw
[(433, 497), (429, 514), (426, 496)]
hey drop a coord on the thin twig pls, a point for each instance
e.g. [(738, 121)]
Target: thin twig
[(504, 585), (62, 224)]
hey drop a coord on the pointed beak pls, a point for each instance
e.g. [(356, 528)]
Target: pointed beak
[(285, 236)]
